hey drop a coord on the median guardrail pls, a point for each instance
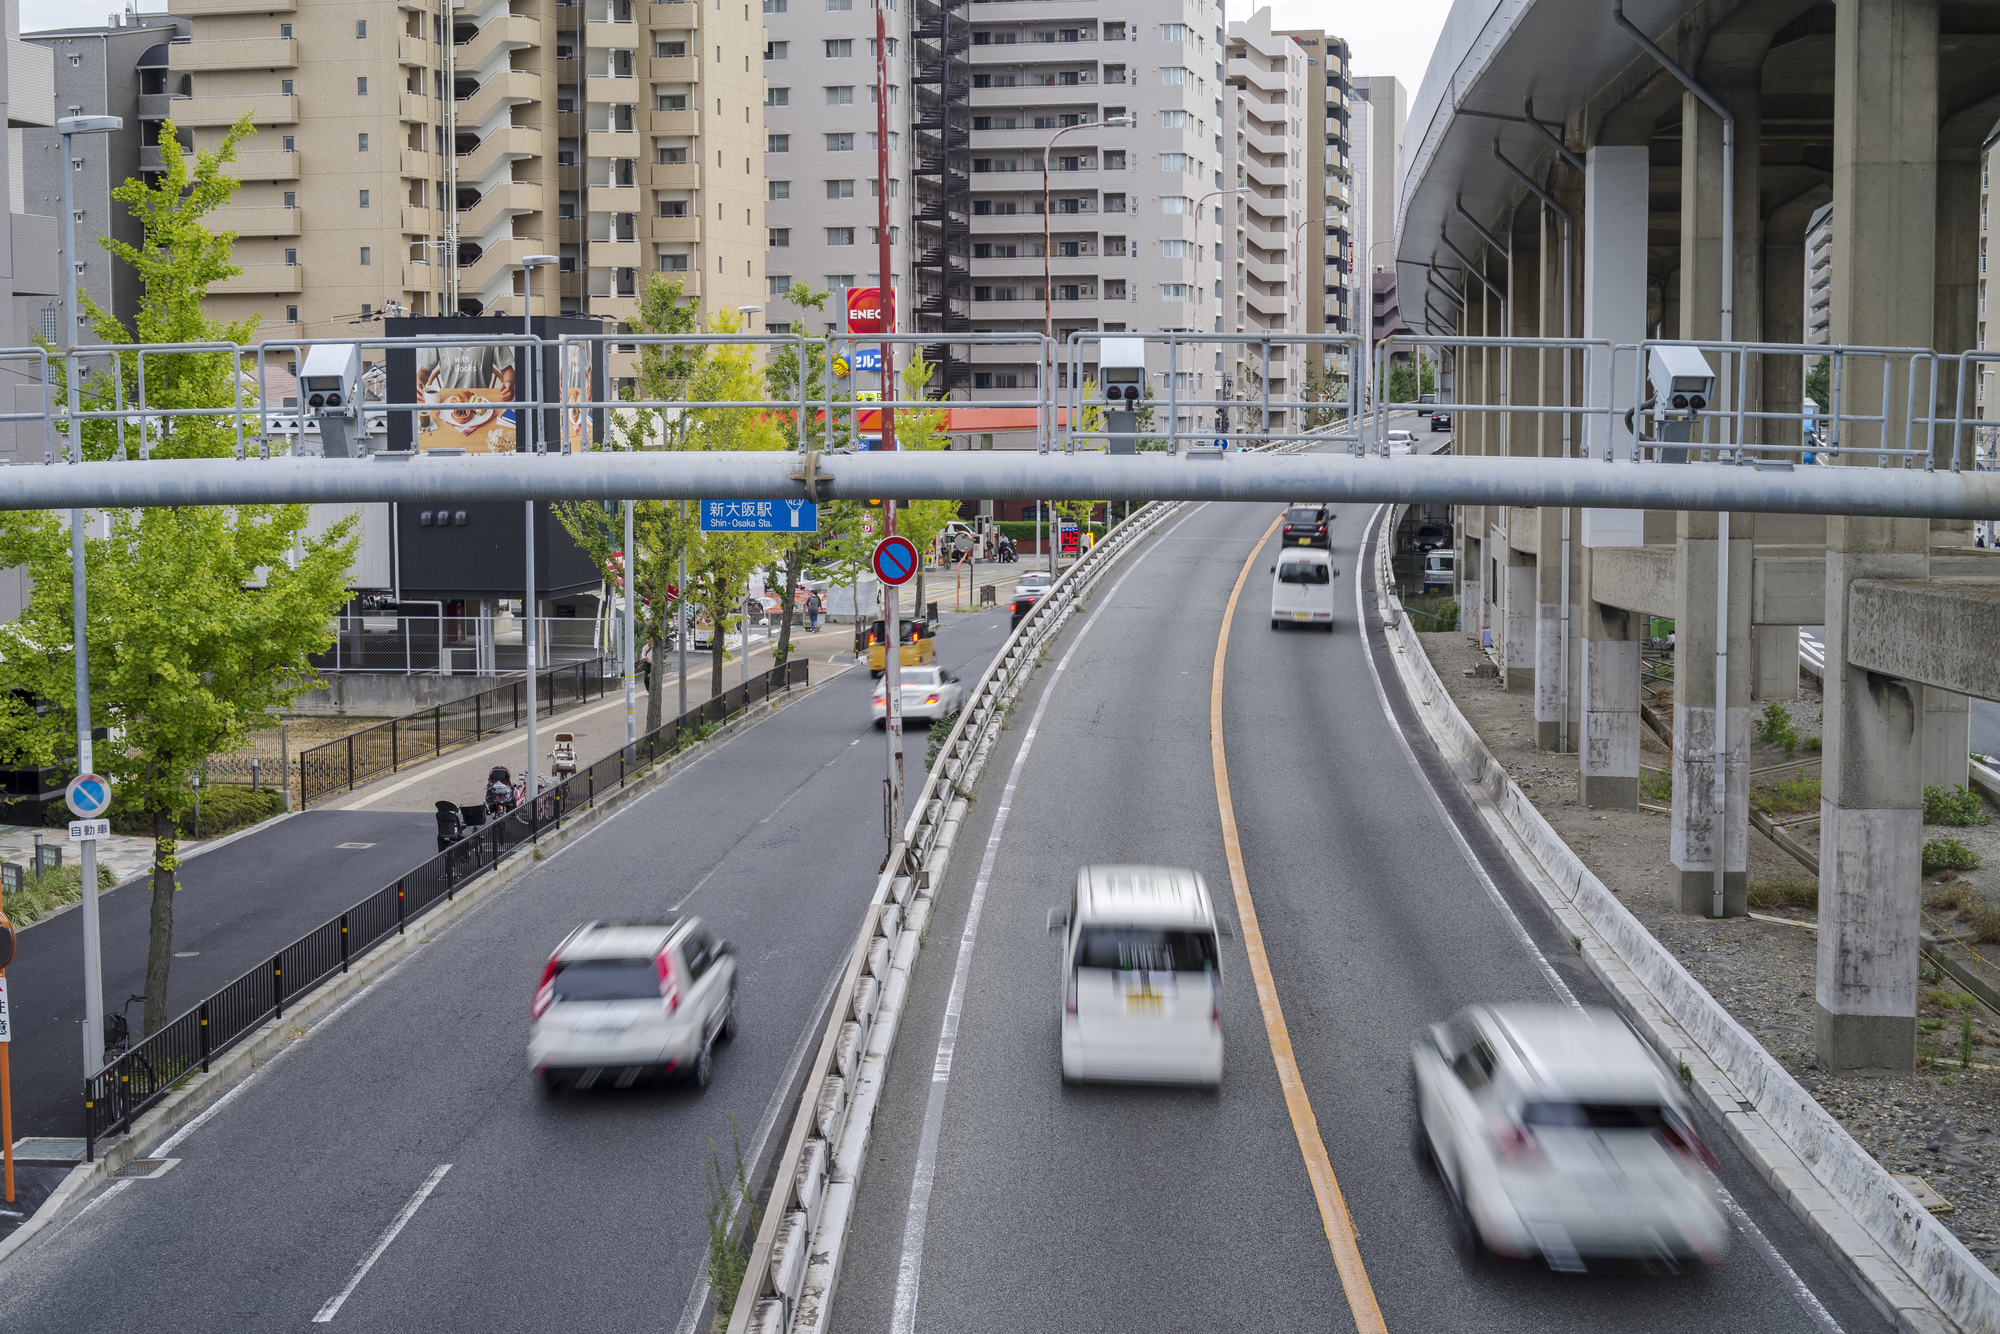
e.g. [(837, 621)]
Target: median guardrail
[(140, 1077)]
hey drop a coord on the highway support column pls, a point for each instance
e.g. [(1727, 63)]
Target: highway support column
[(1871, 818), (1613, 241)]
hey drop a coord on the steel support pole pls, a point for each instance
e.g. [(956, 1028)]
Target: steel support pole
[(1720, 791), (528, 642), (631, 614)]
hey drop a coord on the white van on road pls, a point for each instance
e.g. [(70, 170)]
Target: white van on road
[(1141, 978), (1302, 587)]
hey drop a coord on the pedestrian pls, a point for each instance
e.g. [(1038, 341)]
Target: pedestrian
[(646, 670), (812, 611)]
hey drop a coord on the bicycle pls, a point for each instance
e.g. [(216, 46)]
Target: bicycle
[(134, 1083)]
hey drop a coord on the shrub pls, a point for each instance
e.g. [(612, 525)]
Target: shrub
[(940, 731), (1948, 854), (1775, 728), (1949, 998), (1657, 785), (1955, 807), (1799, 792), (1985, 923), (1798, 894), (1950, 898), (58, 887)]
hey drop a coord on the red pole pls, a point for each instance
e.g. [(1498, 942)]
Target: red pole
[(6, 1099)]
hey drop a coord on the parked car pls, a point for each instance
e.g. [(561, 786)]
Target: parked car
[(1302, 588), (624, 1001), (1438, 567), (929, 693), (1141, 977), (1561, 1138), (1430, 535), (1440, 420), (1307, 526)]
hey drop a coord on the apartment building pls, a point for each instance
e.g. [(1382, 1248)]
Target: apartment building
[(408, 157), (1131, 209), (1327, 300), (99, 71), (1270, 214), (1819, 274), (819, 155), (1378, 151)]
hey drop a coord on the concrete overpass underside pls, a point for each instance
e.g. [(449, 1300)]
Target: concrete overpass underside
[(1879, 107)]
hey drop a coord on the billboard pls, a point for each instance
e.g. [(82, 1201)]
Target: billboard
[(865, 313), (468, 389)]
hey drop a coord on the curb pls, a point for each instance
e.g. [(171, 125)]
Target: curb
[(274, 1038), (1916, 1273)]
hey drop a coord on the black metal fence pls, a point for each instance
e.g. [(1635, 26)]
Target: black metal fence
[(338, 766), (140, 1077)]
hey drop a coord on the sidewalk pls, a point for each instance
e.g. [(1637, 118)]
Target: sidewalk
[(1937, 1124)]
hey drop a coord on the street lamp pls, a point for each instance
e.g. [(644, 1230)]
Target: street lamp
[(529, 263), (747, 312), (93, 964), (1220, 410)]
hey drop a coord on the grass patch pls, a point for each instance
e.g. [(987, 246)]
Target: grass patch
[(1796, 894), (1789, 796), (728, 1245), (1954, 807), (1657, 785), (58, 887), (940, 733), (1947, 998), (1775, 728), (1949, 898), (1985, 924), (1433, 614), (1948, 854)]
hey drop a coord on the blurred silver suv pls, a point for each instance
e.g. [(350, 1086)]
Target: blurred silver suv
[(1561, 1138), (621, 1002)]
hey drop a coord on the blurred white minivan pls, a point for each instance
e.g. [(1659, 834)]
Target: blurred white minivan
[(1302, 587), (1141, 978)]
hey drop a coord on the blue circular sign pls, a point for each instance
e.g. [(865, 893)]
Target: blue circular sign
[(895, 560), (88, 796)]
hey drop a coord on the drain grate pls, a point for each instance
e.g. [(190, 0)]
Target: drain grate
[(145, 1169)]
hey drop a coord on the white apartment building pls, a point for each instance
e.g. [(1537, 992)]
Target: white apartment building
[(1265, 263), (821, 206), (1131, 210)]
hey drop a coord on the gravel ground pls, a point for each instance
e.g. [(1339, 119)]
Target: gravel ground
[(1941, 1123)]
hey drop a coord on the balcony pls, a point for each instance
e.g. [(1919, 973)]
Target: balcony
[(613, 89), (196, 113), (1271, 145), (258, 221), (1271, 178), (676, 69), (422, 220), (676, 122), (615, 199), (417, 107), (156, 106), (674, 176), (261, 280), (618, 254), (414, 51), (670, 229), (1256, 74), (267, 166), (422, 278), (685, 14), (243, 53)]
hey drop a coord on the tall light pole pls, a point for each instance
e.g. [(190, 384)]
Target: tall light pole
[(1198, 206), (93, 962), (1047, 374), (743, 664), (1298, 295), (530, 442)]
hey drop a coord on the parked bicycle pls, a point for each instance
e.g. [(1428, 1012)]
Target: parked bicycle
[(132, 1082)]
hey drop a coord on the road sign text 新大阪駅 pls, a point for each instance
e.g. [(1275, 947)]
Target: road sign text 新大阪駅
[(759, 516)]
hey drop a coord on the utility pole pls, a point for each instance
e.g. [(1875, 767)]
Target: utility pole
[(892, 639)]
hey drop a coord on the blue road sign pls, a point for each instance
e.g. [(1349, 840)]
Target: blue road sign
[(867, 359), (88, 795), (759, 516), (895, 560)]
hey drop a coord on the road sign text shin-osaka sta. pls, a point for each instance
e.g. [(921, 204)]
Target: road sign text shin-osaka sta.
[(759, 516)]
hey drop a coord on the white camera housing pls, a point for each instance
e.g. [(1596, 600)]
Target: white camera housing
[(1680, 379), (330, 395), (1121, 364)]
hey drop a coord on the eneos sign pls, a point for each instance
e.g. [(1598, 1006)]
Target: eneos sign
[(865, 314)]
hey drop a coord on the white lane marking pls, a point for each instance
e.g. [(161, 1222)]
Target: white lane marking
[(1781, 1270), (698, 1295), (702, 883), (402, 1219), (910, 1269)]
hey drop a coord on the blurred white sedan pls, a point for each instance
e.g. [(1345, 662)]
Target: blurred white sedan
[(1401, 442), (929, 693), (1561, 1138)]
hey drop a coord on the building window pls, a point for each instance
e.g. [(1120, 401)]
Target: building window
[(76, 62), (780, 283), (839, 6), (780, 189), (777, 97), (780, 237), (284, 87), (778, 143), (360, 28), (361, 86), (364, 199), (291, 314), (840, 97), (51, 323), (840, 236), (291, 144), (364, 143), (1173, 32), (291, 199), (284, 30), (1173, 291), (840, 143), (839, 282), (673, 263), (777, 50), (839, 48), (776, 6), (291, 259), (366, 256), (1173, 162), (1173, 76), (670, 48), (845, 190)]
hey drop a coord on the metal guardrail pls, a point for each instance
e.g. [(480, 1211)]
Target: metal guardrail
[(142, 1076), (793, 1265), (340, 765)]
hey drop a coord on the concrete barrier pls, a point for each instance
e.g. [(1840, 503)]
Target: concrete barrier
[(1915, 1271)]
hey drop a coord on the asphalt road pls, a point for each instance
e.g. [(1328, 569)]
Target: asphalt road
[(238, 905), (1106, 1208), (581, 1212)]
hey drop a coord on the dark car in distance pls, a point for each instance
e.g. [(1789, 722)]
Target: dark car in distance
[(1440, 421), (1306, 526)]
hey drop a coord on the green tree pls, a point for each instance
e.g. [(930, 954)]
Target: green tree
[(200, 619), (1819, 386), (1407, 381)]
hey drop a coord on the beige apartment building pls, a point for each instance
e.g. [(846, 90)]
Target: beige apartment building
[(395, 171)]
